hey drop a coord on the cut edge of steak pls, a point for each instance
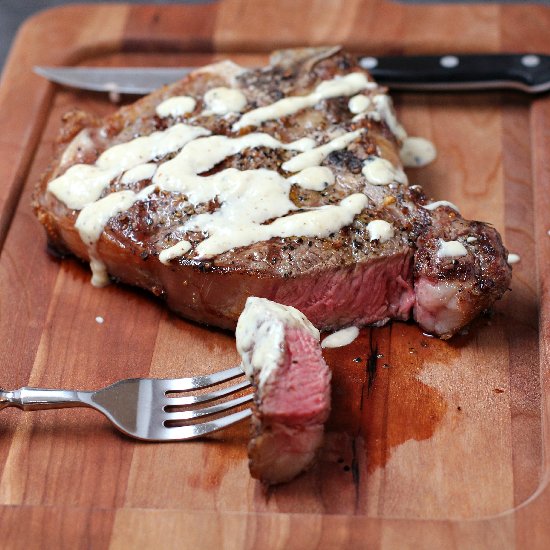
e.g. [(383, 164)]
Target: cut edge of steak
[(281, 355), (339, 280)]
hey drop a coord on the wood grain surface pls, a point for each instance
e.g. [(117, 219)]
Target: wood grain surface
[(430, 444)]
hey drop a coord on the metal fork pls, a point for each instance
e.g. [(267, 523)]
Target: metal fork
[(141, 408)]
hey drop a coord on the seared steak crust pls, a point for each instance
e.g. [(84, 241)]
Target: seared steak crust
[(320, 276)]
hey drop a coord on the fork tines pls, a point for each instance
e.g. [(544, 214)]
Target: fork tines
[(175, 417)]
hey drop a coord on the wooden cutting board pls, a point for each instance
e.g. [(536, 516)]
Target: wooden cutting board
[(430, 444)]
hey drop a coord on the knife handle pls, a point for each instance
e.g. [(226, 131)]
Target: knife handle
[(527, 72)]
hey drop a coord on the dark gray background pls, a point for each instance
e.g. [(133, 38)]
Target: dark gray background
[(14, 12)]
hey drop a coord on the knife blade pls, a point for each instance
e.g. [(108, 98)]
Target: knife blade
[(527, 72)]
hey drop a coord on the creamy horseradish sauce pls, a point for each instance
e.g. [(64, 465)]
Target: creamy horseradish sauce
[(437, 204), (379, 171), (139, 173), (176, 106), (340, 338), (451, 249), (347, 85), (83, 184), (359, 104), (384, 108), (417, 151), (248, 199), (380, 230), (260, 336), (221, 101), (316, 178)]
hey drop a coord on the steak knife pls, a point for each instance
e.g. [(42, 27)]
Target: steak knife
[(527, 72)]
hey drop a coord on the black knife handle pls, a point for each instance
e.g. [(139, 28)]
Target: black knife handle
[(527, 72)]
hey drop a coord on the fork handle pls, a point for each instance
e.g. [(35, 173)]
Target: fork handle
[(33, 399)]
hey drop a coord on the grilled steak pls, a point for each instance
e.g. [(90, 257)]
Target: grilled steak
[(285, 183), (281, 355)]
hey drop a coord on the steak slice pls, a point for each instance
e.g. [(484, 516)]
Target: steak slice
[(284, 182), (281, 355)]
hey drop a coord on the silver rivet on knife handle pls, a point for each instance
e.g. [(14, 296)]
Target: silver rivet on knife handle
[(530, 60), (368, 63), (449, 61)]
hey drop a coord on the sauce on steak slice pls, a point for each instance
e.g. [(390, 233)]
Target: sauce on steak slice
[(281, 355), (284, 182)]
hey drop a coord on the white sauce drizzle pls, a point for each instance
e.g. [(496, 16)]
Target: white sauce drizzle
[(340, 338), (513, 258), (417, 151), (437, 204), (91, 222), (316, 178), (379, 171), (384, 108), (359, 104), (176, 106), (471, 239), (80, 143), (139, 173), (222, 101), (451, 249), (347, 85), (174, 251), (414, 151), (200, 155), (247, 198), (238, 223), (314, 157), (92, 219), (380, 230), (82, 184), (144, 149), (260, 336)]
